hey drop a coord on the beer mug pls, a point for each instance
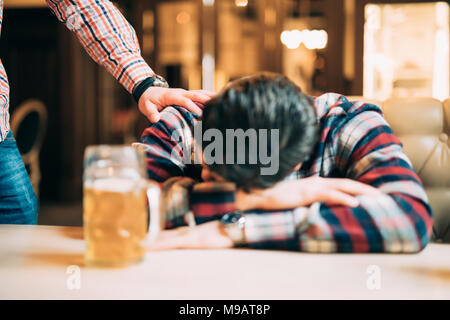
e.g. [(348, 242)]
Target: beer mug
[(119, 203)]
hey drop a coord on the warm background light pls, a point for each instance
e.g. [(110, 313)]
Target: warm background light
[(183, 17), (208, 3), (312, 39), (241, 3), (406, 50)]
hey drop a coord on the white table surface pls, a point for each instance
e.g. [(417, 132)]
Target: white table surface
[(34, 262)]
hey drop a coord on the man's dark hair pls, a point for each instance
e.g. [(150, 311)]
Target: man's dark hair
[(263, 101)]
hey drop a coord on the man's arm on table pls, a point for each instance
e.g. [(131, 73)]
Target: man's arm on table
[(396, 220)]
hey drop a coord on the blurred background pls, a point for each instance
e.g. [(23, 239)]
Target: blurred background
[(376, 49)]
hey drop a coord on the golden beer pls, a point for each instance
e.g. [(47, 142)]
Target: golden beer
[(115, 221)]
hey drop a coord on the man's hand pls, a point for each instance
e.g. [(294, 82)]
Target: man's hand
[(304, 192), (209, 235), (155, 99)]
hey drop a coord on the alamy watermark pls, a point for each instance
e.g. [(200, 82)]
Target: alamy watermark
[(73, 281), (209, 147), (373, 281)]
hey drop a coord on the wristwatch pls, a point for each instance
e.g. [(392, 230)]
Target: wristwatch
[(153, 81), (234, 225)]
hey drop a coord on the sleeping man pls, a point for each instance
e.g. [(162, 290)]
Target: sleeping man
[(267, 166)]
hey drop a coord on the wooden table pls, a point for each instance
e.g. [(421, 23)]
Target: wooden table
[(35, 264)]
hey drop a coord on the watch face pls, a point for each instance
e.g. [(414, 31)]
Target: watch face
[(160, 82), (231, 218), (234, 225)]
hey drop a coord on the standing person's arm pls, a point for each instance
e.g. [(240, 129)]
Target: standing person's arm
[(111, 41)]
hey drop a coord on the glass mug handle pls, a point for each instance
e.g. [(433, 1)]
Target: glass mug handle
[(156, 212)]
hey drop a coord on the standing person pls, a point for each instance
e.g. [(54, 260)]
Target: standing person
[(111, 41)]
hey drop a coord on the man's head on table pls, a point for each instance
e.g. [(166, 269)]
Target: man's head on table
[(277, 125), (343, 183), (265, 102)]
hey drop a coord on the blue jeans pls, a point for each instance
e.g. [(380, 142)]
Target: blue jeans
[(18, 203)]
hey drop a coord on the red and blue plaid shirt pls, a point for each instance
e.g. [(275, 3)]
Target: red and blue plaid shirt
[(104, 33), (355, 142)]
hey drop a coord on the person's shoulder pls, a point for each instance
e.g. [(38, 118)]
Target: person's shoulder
[(335, 104), (173, 118), (349, 120), (175, 114)]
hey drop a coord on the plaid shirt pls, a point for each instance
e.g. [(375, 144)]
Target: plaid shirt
[(104, 33), (355, 142)]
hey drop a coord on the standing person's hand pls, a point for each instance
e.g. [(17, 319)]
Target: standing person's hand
[(155, 99)]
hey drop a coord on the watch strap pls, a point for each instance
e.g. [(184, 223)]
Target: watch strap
[(153, 81)]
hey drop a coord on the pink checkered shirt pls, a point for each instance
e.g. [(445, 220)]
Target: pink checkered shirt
[(105, 34)]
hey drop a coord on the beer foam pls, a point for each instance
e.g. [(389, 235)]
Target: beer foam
[(121, 185)]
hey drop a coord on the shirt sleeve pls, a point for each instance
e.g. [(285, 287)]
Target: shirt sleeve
[(397, 220), (106, 36), (168, 144), (169, 159)]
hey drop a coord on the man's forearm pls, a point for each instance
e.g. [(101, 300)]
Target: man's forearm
[(384, 223), (107, 37)]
